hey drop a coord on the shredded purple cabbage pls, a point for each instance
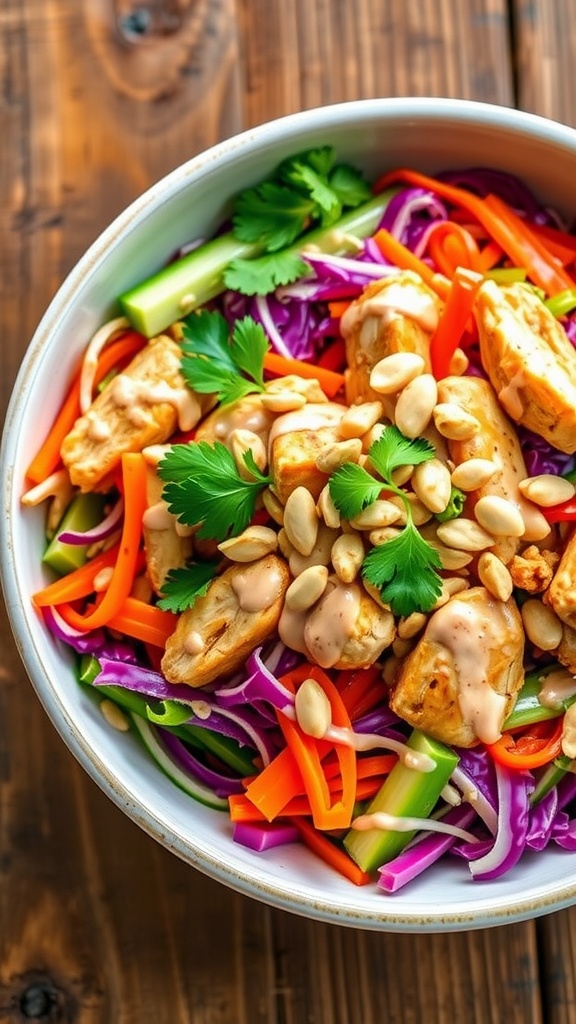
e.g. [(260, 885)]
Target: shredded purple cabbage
[(222, 785)]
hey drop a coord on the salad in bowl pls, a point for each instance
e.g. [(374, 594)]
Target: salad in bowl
[(307, 500)]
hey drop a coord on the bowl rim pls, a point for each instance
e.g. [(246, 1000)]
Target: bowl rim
[(552, 897)]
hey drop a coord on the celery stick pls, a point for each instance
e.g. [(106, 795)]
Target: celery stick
[(527, 710), (406, 792), (196, 278), (83, 513)]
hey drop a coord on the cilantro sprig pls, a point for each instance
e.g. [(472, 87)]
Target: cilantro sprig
[(404, 569), (203, 486), (215, 363), (306, 190), (184, 585)]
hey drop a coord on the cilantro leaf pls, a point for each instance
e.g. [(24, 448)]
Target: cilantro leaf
[(265, 273), (404, 570), (352, 489), (185, 584), (203, 485), (249, 346), (393, 449), (212, 363), (349, 185), (271, 213), (207, 334)]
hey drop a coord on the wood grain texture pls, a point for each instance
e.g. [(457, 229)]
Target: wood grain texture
[(99, 98), (545, 35)]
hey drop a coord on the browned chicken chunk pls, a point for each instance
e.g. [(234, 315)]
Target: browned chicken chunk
[(461, 680), (397, 314), (497, 442), (561, 594), (295, 442), (239, 612), (139, 407), (166, 545), (345, 629), (529, 360)]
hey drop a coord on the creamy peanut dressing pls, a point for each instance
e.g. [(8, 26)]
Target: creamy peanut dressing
[(257, 591), (332, 623), (291, 629), (98, 428), (464, 632), (510, 397), (396, 300), (247, 414), (157, 517), (131, 394), (311, 417), (193, 643), (557, 687)]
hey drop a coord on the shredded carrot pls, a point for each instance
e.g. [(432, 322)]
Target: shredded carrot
[(143, 622), (309, 752), (515, 236), (276, 784), (490, 256), (134, 487), (47, 458), (330, 382), (331, 854), (77, 584), (453, 320), (403, 258), (559, 243), (338, 307), (451, 246)]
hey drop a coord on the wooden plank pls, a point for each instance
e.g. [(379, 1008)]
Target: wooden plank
[(300, 54), (100, 99), (545, 43)]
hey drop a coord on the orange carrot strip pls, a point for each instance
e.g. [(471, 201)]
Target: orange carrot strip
[(308, 754), (47, 457), (453, 320), (330, 382), (559, 243), (491, 255), (77, 584), (276, 784), (134, 487), (503, 225), (452, 246), (143, 622), (338, 306), (403, 258), (333, 855)]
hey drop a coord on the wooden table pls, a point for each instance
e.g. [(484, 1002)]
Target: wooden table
[(98, 99)]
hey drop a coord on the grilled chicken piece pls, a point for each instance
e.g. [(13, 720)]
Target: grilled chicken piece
[(167, 545), (529, 360), (498, 442), (345, 629), (461, 680), (296, 440), (566, 652), (238, 613), (561, 594), (397, 314), (247, 413), (139, 407)]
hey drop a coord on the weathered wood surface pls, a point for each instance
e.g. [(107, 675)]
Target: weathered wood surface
[(98, 924)]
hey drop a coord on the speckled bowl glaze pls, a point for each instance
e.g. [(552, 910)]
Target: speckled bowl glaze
[(431, 135)]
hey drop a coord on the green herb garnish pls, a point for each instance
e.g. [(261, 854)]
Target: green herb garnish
[(306, 190), (403, 569), (203, 485), (185, 584), (215, 363)]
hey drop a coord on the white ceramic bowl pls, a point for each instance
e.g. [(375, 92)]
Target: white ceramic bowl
[(431, 135)]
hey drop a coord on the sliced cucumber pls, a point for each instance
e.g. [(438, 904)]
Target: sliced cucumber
[(83, 513), (195, 789), (406, 792)]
